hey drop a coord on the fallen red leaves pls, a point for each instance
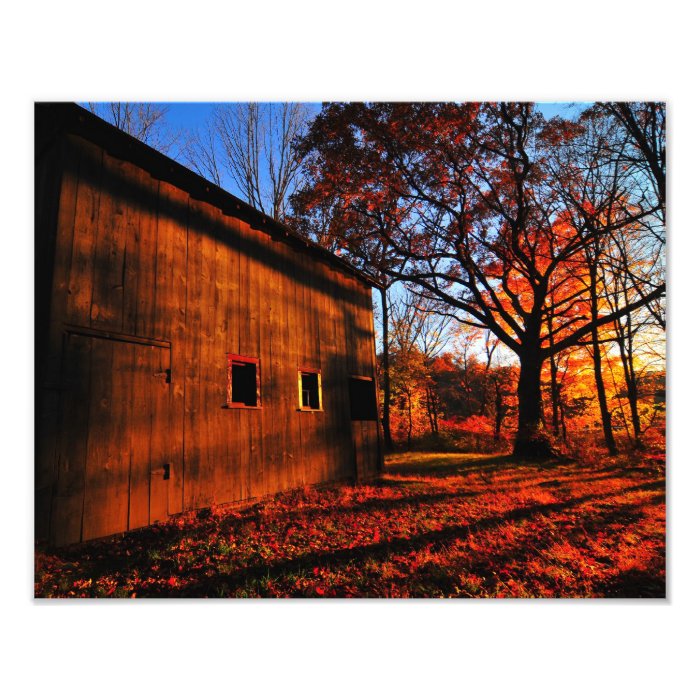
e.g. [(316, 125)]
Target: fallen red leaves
[(434, 526)]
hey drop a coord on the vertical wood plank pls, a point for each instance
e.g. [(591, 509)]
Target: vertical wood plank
[(270, 479), (209, 396), (277, 438), (106, 503), (140, 434), (67, 510), (55, 199), (171, 225), (347, 369), (192, 367), (132, 250), (159, 390), (321, 312), (108, 273), (287, 380), (331, 379), (84, 234), (223, 472), (142, 271), (341, 428), (56, 183)]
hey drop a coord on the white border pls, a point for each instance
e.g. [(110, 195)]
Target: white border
[(365, 50)]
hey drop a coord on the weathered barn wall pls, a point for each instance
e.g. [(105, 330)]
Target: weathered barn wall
[(144, 294)]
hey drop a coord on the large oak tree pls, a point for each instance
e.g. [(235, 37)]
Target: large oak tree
[(472, 216)]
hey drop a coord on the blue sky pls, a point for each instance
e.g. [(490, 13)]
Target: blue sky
[(562, 109), (190, 115), (194, 115)]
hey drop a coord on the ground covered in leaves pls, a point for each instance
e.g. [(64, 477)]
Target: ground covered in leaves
[(435, 525)]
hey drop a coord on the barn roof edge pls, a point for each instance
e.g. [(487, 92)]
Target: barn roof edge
[(54, 118)]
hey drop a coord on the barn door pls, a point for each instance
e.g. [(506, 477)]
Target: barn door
[(114, 460), (363, 416)]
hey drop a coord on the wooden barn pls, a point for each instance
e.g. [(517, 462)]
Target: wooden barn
[(190, 351)]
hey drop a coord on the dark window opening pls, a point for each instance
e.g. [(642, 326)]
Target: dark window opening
[(363, 399), (310, 390), (243, 381)]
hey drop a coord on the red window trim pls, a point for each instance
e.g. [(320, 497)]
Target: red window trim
[(310, 370), (240, 360)]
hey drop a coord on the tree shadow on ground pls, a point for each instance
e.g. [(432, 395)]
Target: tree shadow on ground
[(399, 545), (635, 583), (118, 556), (119, 553)]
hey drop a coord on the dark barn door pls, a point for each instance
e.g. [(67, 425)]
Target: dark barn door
[(114, 448), (363, 414)]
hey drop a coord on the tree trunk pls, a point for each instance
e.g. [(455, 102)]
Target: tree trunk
[(531, 441), (499, 412), (386, 423), (624, 341), (563, 422), (605, 418), (602, 398), (432, 410), (553, 382), (634, 410), (410, 421)]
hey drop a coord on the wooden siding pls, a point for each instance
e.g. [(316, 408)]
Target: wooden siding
[(136, 274)]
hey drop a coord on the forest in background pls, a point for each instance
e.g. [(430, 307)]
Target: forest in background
[(457, 389)]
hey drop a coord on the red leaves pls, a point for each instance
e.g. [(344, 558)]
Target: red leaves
[(480, 530)]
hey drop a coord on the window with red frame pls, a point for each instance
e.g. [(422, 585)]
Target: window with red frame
[(243, 382)]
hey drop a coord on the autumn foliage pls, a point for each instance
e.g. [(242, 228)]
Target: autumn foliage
[(547, 234)]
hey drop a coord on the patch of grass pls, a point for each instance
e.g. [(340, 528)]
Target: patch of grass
[(428, 461)]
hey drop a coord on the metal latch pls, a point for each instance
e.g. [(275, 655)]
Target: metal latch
[(165, 471), (163, 375)]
